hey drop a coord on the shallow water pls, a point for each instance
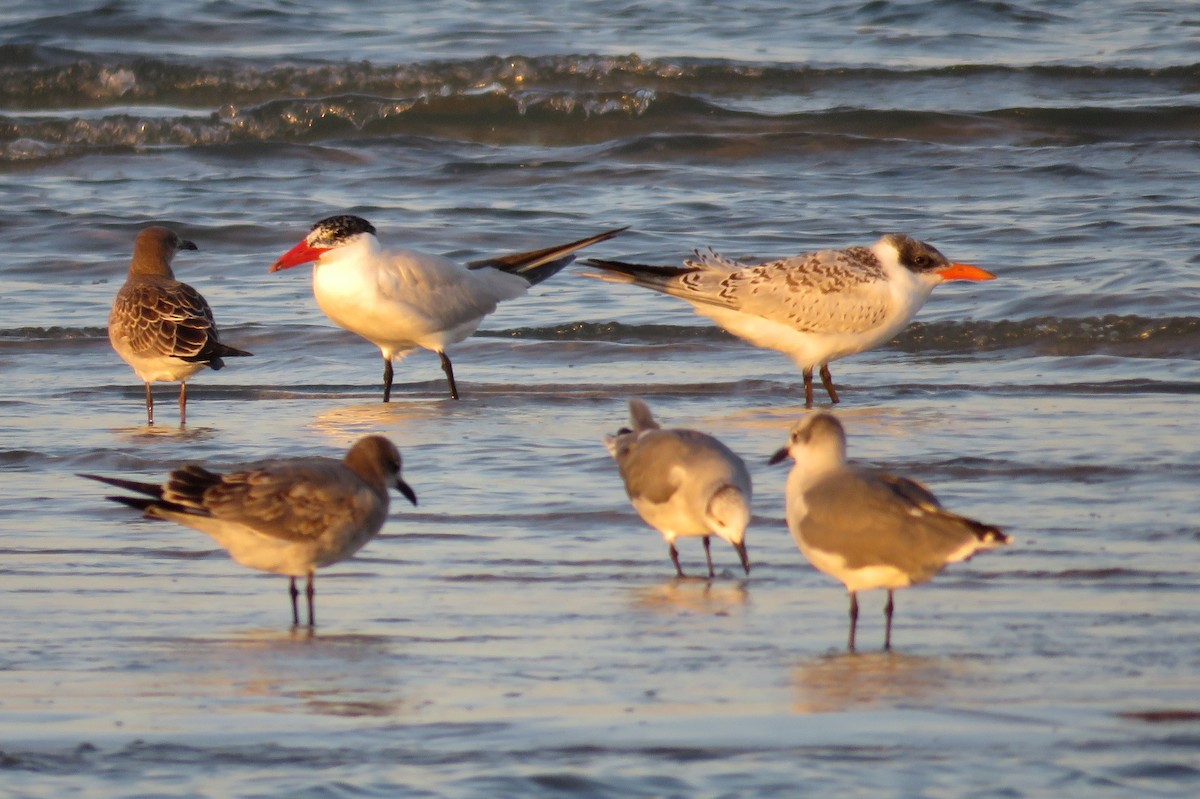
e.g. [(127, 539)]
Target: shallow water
[(519, 633)]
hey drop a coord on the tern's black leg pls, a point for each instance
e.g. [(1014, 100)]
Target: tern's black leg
[(675, 559), (309, 594), (708, 555), (808, 389), (449, 370), (294, 593), (387, 379), (149, 405), (853, 618), (827, 381), (887, 614)]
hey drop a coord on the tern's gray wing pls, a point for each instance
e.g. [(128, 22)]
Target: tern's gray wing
[(868, 522), (826, 291), (289, 500), (834, 291)]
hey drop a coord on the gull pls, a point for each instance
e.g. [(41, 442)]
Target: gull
[(161, 327), (286, 516), (403, 299), (683, 483), (869, 529), (816, 306)]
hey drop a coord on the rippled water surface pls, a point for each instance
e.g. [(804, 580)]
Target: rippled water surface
[(519, 633)]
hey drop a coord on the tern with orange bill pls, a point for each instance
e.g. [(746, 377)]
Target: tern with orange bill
[(816, 307)]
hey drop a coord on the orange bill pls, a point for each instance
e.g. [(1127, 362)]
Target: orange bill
[(965, 272)]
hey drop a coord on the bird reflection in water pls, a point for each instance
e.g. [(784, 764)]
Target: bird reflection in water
[(848, 681), (693, 595), (300, 671)]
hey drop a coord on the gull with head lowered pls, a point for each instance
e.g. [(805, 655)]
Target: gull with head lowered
[(683, 483)]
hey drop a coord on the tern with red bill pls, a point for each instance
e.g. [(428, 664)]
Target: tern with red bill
[(869, 529), (161, 327), (403, 299), (816, 307), (287, 516)]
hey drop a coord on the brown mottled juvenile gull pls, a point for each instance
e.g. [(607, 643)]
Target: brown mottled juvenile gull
[(683, 483), (869, 529), (288, 516), (815, 307), (160, 326)]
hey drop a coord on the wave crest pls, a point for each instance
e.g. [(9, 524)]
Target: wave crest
[(66, 104)]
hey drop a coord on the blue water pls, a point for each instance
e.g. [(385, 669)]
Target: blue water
[(519, 633)]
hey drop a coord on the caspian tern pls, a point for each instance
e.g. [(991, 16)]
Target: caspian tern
[(403, 299), (817, 306), (161, 327), (289, 516), (683, 483), (869, 529)]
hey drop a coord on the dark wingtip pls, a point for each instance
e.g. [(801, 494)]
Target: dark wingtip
[(636, 270), (153, 490), (608, 234), (233, 352), (137, 503)]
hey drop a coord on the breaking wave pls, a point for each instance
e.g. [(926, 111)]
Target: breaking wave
[(65, 104)]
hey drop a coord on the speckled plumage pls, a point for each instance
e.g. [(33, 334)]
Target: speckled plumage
[(334, 230), (160, 326), (159, 316), (817, 306), (849, 283)]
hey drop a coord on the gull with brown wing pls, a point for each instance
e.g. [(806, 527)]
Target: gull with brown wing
[(160, 326), (288, 516)]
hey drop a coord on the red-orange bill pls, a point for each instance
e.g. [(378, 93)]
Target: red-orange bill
[(965, 272), (300, 254)]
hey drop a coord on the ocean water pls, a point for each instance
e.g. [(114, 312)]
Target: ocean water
[(520, 633)]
